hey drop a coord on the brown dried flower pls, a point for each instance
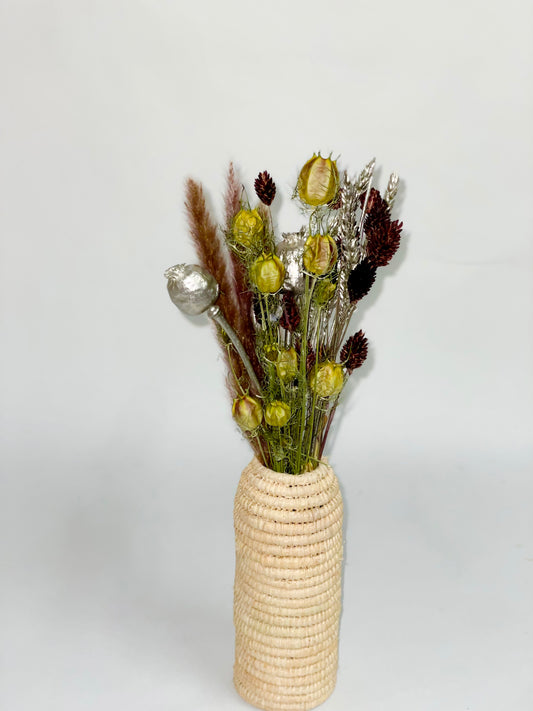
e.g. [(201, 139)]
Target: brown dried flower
[(383, 236), (360, 280), (290, 317), (354, 351), (265, 188)]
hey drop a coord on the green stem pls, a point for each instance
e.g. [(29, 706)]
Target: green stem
[(308, 292), (261, 450), (229, 346), (309, 445), (263, 317), (269, 327), (329, 420), (280, 449)]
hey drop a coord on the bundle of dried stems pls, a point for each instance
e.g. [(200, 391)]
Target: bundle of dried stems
[(290, 301)]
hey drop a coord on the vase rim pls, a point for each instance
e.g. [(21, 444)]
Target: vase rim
[(315, 474)]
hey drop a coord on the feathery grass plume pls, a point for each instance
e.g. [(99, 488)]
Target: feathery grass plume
[(360, 280), (204, 232), (235, 300), (354, 351), (232, 199), (265, 188), (245, 326), (213, 255)]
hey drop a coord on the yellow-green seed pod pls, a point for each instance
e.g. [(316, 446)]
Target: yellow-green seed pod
[(318, 181), (248, 228), (271, 352), (320, 254), (267, 273), (247, 412), (287, 364), (324, 291), (327, 379), (277, 413)]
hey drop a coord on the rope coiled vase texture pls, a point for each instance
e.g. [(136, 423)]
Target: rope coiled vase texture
[(287, 596)]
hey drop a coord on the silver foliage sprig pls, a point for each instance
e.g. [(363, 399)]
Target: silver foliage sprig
[(392, 190), (365, 176), (349, 229)]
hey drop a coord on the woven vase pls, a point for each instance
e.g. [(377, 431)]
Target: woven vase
[(287, 603)]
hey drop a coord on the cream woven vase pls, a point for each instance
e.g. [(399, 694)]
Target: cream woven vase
[(288, 536)]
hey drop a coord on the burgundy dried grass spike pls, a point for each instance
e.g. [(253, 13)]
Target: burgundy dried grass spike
[(290, 317), (265, 188), (389, 249), (383, 236), (360, 280), (354, 351), (311, 355), (373, 196), (377, 212)]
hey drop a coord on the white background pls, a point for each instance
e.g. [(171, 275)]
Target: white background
[(119, 457)]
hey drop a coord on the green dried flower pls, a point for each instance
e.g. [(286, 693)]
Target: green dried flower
[(277, 413)]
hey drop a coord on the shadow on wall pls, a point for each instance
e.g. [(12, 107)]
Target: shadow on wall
[(120, 557)]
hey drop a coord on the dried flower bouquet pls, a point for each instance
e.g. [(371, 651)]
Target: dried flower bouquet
[(283, 306)]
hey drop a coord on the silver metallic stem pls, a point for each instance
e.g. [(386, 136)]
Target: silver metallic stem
[(214, 313)]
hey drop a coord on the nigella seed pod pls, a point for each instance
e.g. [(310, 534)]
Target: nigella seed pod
[(277, 413), (271, 352), (320, 254), (248, 228), (327, 379), (267, 273), (192, 288), (324, 291), (247, 412), (287, 364), (318, 181)]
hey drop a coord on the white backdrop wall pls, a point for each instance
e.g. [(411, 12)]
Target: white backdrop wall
[(119, 458)]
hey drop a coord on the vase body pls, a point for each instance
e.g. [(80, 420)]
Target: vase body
[(287, 596)]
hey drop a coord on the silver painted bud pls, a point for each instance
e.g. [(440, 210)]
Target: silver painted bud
[(290, 250), (192, 288)]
